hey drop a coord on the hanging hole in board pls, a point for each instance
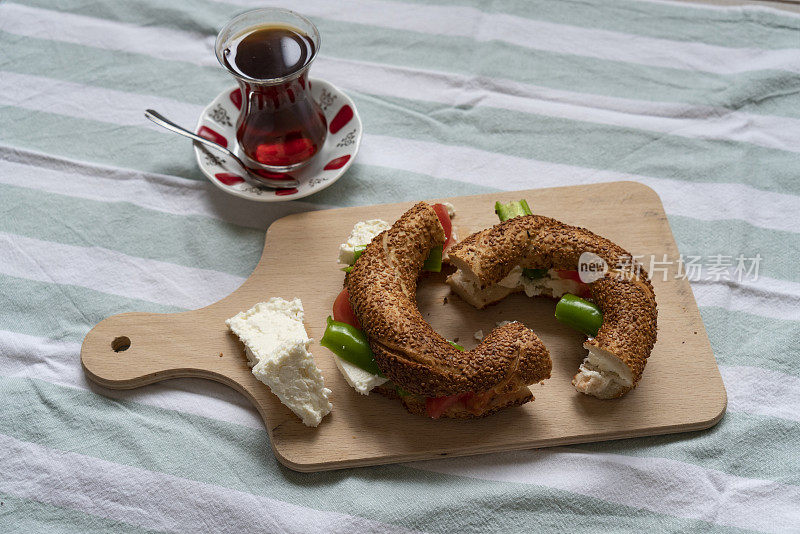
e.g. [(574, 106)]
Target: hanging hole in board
[(120, 344)]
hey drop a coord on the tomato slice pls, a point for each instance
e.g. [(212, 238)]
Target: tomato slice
[(570, 275), (444, 218), (583, 290), (342, 311), (437, 406)]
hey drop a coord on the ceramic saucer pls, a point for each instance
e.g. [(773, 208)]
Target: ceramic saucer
[(218, 123)]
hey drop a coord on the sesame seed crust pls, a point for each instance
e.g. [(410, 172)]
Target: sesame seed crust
[(624, 295), (382, 288)]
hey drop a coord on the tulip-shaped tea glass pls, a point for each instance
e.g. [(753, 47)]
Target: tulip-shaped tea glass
[(269, 51)]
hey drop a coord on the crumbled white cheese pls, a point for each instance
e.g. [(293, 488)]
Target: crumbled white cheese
[(513, 278), (451, 210), (503, 323), (362, 234), (478, 335), (277, 348), (361, 380), (469, 288), (451, 244), (551, 284)]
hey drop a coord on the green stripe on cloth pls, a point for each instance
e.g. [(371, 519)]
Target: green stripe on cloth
[(741, 444), (563, 71), (112, 69), (18, 515), (189, 240), (550, 69), (734, 27), (743, 339), (122, 146), (205, 17), (237, 457), (779, 250), (364, 185), (625, 150), (147, 150), (62, 312)]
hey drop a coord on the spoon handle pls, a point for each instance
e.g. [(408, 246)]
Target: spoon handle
[(251, 177), (164, 122)]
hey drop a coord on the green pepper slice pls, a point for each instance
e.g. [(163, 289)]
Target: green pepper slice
[(512, 209), (580, 314), (534, 274), (515, 209), (434, 261), (358, 251), (349, 343), (456, 345)]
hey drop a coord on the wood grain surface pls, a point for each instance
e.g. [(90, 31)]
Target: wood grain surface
[(681, 389)]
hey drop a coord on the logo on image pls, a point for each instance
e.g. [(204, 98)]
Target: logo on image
[(591, 267)]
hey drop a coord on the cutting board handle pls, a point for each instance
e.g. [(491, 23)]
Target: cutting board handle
[(134, 349)]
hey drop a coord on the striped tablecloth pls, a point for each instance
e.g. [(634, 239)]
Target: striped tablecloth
[(102, 213)]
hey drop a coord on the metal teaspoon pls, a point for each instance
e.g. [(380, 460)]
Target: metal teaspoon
[(164, 122)]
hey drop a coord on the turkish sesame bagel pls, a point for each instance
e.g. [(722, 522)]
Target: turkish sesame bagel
[(382, 288), (624, 294)]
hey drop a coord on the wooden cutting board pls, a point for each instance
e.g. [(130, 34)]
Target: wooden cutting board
[(681, 389)]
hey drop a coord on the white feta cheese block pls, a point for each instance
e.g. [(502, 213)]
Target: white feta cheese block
[(478, 334), (276, 345), (362, 234), (292, 375), (359, 379), (451, 210), (268, 325)]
